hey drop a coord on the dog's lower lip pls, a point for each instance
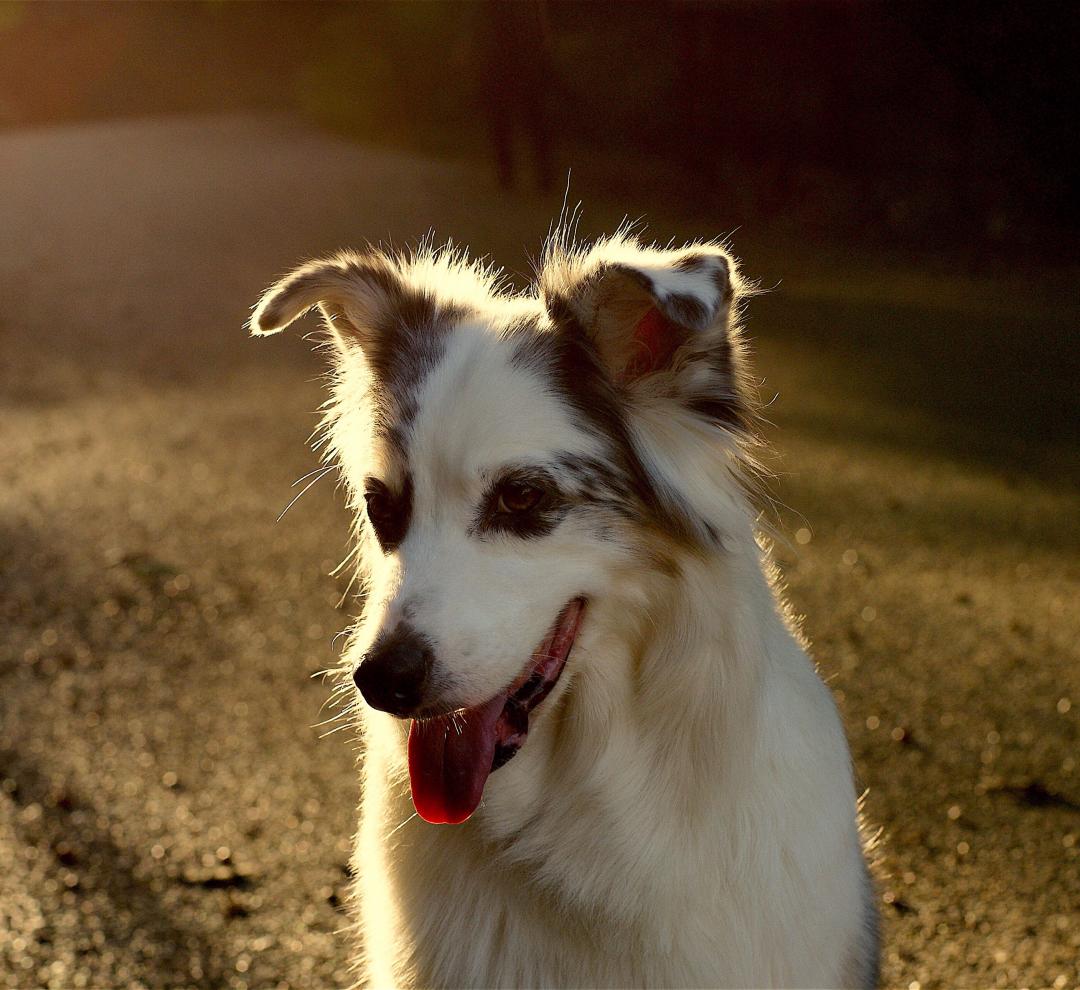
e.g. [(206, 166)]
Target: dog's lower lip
[(538, 679)]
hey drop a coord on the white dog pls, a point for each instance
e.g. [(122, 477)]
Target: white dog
[(577, 665)]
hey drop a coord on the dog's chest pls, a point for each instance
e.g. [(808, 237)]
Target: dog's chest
[(469, 919)]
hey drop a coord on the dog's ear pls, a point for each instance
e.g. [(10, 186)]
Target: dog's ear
[(350, 290), (661, 323), (640, 307)]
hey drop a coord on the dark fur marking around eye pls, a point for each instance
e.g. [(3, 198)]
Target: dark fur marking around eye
[(594, 482), (389, 512), (531, 524)]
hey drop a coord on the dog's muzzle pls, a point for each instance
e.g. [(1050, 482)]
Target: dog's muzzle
[(394, 675)]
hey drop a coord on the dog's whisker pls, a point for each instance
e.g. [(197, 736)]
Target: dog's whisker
[(344, 713), (322, 469), (300, 493), (330, 732), (348, 588), (332, 701), (341, 700), (349, 556)]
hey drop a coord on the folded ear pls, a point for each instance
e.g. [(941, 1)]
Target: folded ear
[(350, 290), (640, 307), (662, 323)]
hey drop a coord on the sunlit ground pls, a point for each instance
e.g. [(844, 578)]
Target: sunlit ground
[(169, 816)]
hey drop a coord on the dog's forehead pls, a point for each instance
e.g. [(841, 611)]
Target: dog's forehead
[(479, 408)]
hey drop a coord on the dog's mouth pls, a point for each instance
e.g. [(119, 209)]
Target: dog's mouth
[(451, 756)]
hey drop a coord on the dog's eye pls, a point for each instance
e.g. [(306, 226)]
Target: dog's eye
[(378, 505), (518, 496), (388, 513)]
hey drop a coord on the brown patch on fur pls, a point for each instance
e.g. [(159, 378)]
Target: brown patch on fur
[(656, 546)]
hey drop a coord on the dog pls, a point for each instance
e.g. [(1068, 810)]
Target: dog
[(596, 752)]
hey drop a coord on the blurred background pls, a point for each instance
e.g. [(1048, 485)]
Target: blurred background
[(899, 176)]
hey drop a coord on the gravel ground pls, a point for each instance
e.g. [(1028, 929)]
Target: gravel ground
[(168, 813)]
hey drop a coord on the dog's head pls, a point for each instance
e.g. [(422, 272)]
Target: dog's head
[(510, 459)]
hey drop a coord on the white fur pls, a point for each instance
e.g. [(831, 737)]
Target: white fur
[(683, 812)]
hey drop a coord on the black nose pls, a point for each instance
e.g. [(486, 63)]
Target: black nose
[(394, 675)]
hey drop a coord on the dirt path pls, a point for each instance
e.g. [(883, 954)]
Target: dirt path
[(170, 817)]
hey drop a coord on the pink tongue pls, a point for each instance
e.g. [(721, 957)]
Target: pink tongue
[(450, 758)]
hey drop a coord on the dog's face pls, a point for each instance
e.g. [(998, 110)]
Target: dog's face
[(482, 524), (492, 447)]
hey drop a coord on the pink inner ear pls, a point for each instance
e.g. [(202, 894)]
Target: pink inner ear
[(655, 341)]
